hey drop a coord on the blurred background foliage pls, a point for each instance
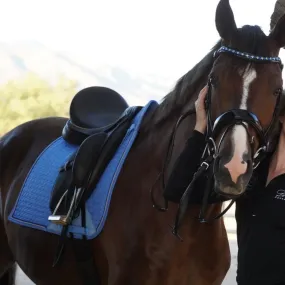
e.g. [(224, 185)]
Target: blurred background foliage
[(33, 97)]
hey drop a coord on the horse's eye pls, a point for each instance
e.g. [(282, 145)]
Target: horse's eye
[(277, 92)]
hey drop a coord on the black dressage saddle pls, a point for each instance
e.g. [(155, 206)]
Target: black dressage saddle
[(96, 107), (94, 110), (99, 120)]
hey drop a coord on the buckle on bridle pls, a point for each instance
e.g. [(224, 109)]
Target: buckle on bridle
[(206, 164), (259, 151), (256, 155)]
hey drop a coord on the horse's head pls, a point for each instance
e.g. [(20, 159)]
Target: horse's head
[(245, 85)]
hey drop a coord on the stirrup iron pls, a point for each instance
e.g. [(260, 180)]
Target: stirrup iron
[(64, 220)]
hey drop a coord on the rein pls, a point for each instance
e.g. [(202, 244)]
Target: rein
[(228, 119), (161, 174)]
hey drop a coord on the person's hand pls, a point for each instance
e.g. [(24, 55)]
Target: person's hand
[(201, 116)]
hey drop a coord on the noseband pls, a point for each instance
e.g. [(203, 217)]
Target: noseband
[(223, 123)]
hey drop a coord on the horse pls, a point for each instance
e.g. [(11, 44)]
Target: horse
[(136, 246)]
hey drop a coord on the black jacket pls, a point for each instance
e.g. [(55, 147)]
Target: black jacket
[(260, 215)]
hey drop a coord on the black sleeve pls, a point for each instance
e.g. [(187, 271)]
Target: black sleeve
[(184, 168)]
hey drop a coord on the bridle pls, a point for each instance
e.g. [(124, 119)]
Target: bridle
[(241, 117), (223, 123)]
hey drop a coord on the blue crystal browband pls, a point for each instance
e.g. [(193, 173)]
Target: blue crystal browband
[(246, 55)]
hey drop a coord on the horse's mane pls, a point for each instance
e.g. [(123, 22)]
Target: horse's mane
[(186, 87), (251, 39)]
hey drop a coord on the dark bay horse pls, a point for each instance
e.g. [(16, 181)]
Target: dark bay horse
[(136, 246)]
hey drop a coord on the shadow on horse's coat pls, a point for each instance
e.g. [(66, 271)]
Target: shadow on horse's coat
[(136, 245)]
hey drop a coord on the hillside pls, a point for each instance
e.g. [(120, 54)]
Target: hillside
[(18, 58)]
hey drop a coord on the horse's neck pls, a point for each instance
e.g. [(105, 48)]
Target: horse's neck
[(177, 103), (156, 137), (157, 128), (153, 146)]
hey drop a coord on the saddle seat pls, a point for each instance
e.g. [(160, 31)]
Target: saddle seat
[(93, 110), (99, 120), (96, 107)]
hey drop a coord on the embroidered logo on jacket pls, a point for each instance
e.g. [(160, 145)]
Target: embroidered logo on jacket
[(280, 194)]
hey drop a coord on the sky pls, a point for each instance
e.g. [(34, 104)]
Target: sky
[(162, 37)]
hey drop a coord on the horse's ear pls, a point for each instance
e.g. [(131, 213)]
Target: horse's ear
[(225, 20), (278, 32)]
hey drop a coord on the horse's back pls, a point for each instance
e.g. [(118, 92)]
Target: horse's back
[(33, 135), (24, 144), (32, 128)]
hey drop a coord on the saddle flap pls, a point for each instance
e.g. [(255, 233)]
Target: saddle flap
[(86, 158)]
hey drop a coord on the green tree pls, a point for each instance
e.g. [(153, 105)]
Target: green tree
[(33, 97)]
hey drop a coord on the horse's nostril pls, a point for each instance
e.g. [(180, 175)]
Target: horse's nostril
[(235, 168)]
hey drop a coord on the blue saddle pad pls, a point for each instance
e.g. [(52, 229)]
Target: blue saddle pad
[(32, 207)]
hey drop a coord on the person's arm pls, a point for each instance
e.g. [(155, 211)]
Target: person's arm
[(183, 171), (185, 167), (189, 161)]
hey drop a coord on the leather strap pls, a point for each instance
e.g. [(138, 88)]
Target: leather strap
[(84, 258)]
